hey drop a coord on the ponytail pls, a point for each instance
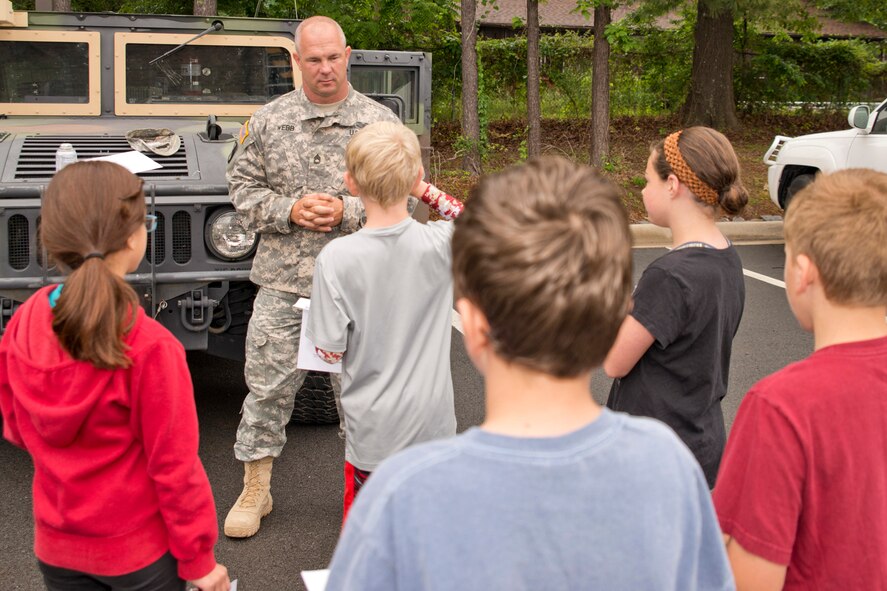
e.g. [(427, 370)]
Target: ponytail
[(91, 208), (94, 313)]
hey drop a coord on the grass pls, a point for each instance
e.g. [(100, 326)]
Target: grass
[(630, 140)]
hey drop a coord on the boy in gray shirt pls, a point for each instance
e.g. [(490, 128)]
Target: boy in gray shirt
[(382, 302), (551, 491)]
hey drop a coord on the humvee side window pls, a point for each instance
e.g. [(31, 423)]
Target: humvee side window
[(232, 75), (402, 82), (44, 72)]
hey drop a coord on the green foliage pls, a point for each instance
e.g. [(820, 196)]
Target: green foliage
[(780, 69), (650, 71), (389, 24)]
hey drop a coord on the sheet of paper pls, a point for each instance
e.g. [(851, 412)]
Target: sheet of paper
[(308, 358), (315, 580), (135, 162), (234, 585)]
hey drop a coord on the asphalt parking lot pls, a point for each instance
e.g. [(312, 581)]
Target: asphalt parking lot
[(307, 484)]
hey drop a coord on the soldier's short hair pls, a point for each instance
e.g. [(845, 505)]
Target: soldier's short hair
[(544, 251), (384, 159), (317, 20), (840, 222)]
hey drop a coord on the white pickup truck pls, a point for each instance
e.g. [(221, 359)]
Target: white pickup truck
[(794, 162)]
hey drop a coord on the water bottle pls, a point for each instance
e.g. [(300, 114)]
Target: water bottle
[(64, 156)]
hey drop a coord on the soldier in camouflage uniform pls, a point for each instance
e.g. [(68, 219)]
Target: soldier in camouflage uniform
[(283, 177)]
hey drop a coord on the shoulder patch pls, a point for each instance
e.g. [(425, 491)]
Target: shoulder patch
[(244, 132)]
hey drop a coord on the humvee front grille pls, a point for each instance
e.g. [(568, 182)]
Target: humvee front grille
[(37, 159), (181, 237), (159, 239), (26, 251), (19, 238)]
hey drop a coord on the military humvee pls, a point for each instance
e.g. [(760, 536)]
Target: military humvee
[(90, 79)]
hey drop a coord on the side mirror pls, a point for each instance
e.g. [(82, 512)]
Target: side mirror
[(859, 117)]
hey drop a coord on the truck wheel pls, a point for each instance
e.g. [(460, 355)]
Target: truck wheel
[(315, 403), (798, 183)]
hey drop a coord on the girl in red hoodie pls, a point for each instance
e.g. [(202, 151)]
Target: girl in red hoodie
[(101, 397)]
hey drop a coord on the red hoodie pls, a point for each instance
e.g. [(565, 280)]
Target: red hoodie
[(117, 480)]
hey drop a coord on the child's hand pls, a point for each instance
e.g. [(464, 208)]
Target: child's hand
[(216, 580), (421, 186)]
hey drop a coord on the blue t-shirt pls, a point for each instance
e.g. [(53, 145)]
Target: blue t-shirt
[(619, 504)]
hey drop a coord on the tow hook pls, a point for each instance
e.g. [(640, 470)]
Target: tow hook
[(196, 310)]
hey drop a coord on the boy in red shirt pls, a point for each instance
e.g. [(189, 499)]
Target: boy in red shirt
[(801, 492)]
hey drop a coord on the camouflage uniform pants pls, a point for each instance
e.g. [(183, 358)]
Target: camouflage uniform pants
[(272, 348)]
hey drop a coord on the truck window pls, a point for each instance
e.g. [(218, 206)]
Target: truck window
[(44, 72), (402, 82), (224, 74)]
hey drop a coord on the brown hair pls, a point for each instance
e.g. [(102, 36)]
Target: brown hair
[(544, 250), (92, 208), (709, 157), (840, 222), (384, 159)]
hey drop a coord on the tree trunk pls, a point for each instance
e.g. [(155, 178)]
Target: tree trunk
[(710, 101), (470, 118), (205, 7), (61, 5), (600, 89), (534, 108)]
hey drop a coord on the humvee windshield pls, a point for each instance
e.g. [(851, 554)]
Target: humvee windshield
[(234, 75), (41, 72)]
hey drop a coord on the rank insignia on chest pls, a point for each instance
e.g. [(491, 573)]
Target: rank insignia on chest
[(317, 159)]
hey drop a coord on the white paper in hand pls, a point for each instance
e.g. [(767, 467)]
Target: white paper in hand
[(134, 162), (308, 358), (315, 580)]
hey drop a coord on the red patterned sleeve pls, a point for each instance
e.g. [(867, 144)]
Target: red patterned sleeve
[(447, 206), (329, 356)]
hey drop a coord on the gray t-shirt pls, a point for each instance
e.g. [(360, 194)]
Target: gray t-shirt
[(617, 505), (385, 297)]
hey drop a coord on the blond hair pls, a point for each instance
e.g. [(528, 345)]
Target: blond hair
[(840, 222), (384, 160), (544, 251)]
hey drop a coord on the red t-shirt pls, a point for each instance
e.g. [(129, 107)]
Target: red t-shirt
[(803, 481)]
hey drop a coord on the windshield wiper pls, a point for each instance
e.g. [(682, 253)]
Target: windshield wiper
[(216, 26)]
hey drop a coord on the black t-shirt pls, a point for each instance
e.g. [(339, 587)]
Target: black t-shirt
[(691, 301)]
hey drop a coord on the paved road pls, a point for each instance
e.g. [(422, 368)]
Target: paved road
[(301, 531)]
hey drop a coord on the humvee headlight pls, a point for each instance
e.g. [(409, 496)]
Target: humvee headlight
[(227, 237)]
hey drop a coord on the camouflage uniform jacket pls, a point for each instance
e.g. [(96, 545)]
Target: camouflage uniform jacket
[(289, 148)]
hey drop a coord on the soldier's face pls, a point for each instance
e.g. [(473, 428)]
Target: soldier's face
[(322, 59)]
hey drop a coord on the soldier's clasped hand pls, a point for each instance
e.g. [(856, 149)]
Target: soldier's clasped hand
[(317, 211)]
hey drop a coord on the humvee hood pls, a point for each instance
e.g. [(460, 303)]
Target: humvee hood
[(57, 391)]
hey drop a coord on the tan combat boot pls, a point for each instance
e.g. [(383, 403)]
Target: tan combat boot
[(254, 502)]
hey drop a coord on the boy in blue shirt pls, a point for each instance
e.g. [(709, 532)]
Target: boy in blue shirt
[(551, 491)]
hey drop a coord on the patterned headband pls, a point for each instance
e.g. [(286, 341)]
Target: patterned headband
[(682, 170)]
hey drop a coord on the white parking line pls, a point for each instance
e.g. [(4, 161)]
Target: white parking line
[(764, 278), (457, 320)]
